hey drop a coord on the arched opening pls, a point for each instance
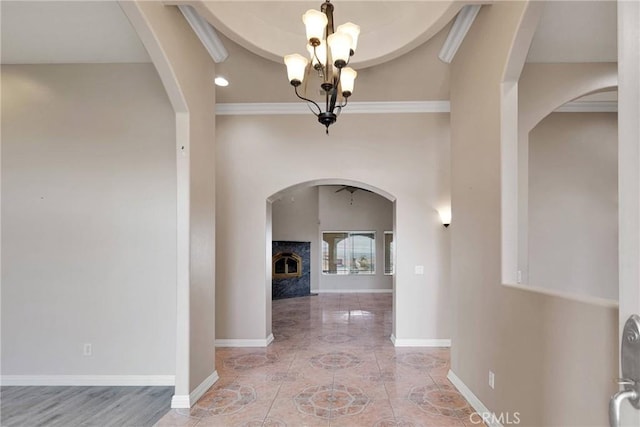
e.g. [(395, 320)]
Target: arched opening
[(354, 260), (543, 116), (527, 99), (571, 215)]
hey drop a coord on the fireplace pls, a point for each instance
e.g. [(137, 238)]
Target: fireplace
[(290, 269), (286, 264)]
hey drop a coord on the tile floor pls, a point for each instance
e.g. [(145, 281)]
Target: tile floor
[(331, 364)]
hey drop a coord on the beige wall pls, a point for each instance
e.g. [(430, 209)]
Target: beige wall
[(88, 221), (546, 352), (544, 87), (573, 204), (405, 155)]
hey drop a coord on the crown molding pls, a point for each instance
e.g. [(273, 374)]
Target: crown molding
[(458, 32), (589, 107), (206, 33), (277, 108), (399, 107)]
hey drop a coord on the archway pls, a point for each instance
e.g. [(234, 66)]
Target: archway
[(315, 238)]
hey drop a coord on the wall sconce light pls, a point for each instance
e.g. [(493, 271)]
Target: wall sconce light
[(445, 216)]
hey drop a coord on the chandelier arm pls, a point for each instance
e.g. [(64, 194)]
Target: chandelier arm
[(309, 100), (311, 109), (321, 69)]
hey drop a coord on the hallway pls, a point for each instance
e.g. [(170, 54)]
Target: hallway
[(331, 364)]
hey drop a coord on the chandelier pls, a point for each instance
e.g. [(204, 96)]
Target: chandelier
[(330, 63)]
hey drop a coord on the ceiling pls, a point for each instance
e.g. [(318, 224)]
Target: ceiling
[(52, 32), (99, 32), (273, 29)]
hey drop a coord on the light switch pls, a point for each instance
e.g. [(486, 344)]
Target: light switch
[(419, 269)]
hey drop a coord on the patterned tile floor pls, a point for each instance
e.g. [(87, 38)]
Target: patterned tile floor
[(331, 364)]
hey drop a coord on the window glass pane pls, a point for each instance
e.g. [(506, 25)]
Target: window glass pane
[(335, 250), (348, 252), (388, 252), (363, 253)]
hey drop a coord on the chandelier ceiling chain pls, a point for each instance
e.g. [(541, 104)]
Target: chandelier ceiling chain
[(330, 52)]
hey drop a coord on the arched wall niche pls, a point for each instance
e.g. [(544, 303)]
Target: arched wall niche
[(530, 94), (542, 89)]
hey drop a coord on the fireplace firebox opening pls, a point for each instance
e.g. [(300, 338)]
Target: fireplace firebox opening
[(286, 264)]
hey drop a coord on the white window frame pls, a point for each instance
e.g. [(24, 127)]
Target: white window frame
[(391, 255)]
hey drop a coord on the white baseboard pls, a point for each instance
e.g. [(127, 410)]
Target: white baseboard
[(180, 401), (473, 399), (183, 401), (87, 380), (244, 343), (351, 291), (418, 342)]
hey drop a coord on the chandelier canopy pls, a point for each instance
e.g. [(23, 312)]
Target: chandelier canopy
[(330, 52)]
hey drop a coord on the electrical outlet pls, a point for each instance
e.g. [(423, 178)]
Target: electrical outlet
[(419, 269), (492, 379), (519, 278), (87, 350)]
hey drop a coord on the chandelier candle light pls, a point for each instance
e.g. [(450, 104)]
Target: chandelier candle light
[(330, 63)]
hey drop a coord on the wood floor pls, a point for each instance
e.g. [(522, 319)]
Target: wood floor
[(83, 406)]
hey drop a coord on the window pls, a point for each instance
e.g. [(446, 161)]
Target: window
[(389, 252), (348, 252)]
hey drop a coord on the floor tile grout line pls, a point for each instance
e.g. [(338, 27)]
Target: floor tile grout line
[(264, 420)]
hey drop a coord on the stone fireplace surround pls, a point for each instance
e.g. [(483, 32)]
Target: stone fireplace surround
[(291, 284)]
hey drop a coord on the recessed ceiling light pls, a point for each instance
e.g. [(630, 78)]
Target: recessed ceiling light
[(221, 81)]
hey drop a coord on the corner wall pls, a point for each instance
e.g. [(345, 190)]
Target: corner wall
[(187, 72), (545, 351)]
